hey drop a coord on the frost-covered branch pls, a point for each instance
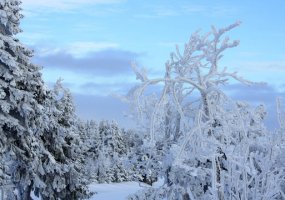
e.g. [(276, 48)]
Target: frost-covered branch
[(223, 150), (196, 68)]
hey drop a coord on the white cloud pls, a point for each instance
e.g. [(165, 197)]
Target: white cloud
[(165, 12), (195, 8), (64, 4), (77, 49), (222, 11), (170, 44), (266, 66), (188, 9), (271, 72)]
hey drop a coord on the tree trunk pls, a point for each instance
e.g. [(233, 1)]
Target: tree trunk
[(167, 176), (205, 103), (177, 127), (186, 196), (26, 193), (210, 133), (167, 123)]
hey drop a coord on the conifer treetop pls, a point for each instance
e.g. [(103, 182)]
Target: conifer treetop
[(10, 17)]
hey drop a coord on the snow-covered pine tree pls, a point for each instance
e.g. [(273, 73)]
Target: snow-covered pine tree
[(35, 128), (62, 171), (22, 94), (112, 151), (135, 154), (90, 140), (104, 151)]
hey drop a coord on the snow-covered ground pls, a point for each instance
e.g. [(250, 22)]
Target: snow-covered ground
[(113, 191), (117, 191)]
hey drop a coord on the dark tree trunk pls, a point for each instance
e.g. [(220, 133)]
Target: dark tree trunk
[(186, 196), (26, 193), (177, 127)]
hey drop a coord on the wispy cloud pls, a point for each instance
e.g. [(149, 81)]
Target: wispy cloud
[(222, 10), (159, 11), (264, 70), (76, 49), (210, 10), (277, 66), (195, 8), (188, 9), (170, 44), (65, 4), (165, 12), (250, 54)]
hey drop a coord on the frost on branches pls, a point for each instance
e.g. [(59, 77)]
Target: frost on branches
[(213, 147)]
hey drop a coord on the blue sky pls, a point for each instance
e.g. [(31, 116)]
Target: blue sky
[(91, 43)]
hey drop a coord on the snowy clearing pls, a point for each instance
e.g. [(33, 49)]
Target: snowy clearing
[(117, 191), (114, 191)]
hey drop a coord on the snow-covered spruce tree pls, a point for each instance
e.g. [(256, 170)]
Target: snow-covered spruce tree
[(217, 148), (112, 152), (96, 165), (142, 165), (104, 151), (27, 158), (21, 97), (89, 134), (61, 170), (138, 157)]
